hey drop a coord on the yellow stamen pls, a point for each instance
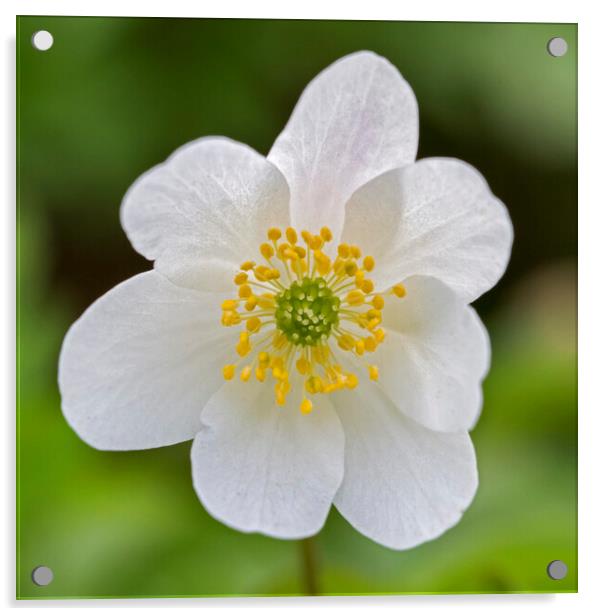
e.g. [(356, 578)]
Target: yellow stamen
[(344, 251), (254, 324), (351, 268), (229, 371), (355, 298), (360, 347), (367, 286), (378, 302), (306, 406), (399, 290), (291, 235), (326, 234), (351, 380), (267, 251), (274, 234), (317, 307), (244, 291), (241, 278)]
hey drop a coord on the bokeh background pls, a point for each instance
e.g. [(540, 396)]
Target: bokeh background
[(114, 97)]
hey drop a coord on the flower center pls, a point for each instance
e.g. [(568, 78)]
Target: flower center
[(305, 312)]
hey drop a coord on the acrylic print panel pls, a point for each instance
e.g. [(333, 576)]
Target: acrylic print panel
[(332, 417)]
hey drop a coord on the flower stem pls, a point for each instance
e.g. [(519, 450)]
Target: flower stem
[(309, 565)]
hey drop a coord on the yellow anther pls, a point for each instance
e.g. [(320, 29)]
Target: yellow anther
[(356, 253), (375, 322), (350, 268), (254, 324), (373, 372), (251, 303), (264, 359), (316, 242), (306, 235), (260, 374), (379, 335), (291, 235), (360, 347), (229, 304), (291, 254), (262, 272), (355, 297), (247, 265), (314, 385), (229, 371), (244, 291), (300, 251), (279, 372), (274, 274), (302, 365), (351, 381), (346, 342), (326, 234), (344, 251), (241, 278), (369, 263), (370, 344), (367, 286), (267, 251), (378, 302), (359, 277), (306, 406), (274, 234), (230, 318), (399, 290), (245, 373), (243, 348)]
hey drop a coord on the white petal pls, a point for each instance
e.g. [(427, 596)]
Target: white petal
[(260, 467), (138, 366), (435, 356), (355, 120), (403, 484), (204, 211), (436, 217)]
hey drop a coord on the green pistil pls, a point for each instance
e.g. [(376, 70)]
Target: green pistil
[(307, 311)]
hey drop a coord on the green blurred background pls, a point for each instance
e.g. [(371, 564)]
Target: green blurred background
[(114, 97)]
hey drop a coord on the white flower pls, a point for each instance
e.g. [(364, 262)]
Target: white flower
[(303, 419)]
